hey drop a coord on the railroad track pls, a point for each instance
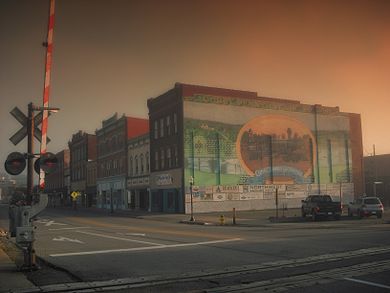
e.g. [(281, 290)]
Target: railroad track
[(273, 285)]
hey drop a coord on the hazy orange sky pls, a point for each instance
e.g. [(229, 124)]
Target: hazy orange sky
[(112, 55)]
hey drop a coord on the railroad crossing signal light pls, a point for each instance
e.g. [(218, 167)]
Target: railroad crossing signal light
[(48, 162), (37, 166), (15, 163)]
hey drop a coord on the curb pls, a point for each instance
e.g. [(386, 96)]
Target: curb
[(196, 223)]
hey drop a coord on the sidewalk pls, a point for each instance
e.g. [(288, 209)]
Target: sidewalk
[(243, 218), (11, 279)]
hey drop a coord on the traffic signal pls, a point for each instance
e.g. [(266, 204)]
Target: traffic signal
[(48, 162), (15, 163)]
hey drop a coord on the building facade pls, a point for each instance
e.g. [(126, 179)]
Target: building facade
[(82, 149), (377, 177), (56, 185), (166, 152), (112, 159), (243, 150), (91, 182), (138, 173)]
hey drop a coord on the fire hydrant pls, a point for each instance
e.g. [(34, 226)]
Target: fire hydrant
[(222, 220)]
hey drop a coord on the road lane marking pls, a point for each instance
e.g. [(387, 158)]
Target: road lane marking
[(145, 248), (132, 234), (367, 283), (152, 230), (61, 238), (119, 238), (72, 228), (48, 222)]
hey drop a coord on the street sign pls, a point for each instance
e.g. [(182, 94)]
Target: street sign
[(22, 132), (75, 194)]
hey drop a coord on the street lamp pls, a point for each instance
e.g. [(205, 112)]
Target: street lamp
[(192, 219)]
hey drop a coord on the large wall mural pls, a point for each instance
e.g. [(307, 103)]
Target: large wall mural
[(276, 149), (230, 142)]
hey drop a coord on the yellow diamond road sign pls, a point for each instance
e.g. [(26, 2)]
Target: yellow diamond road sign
[(75, 194)]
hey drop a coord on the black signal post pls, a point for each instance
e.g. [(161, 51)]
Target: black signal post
[(192, 219), (30, 147), (20, 216), (30, 152)]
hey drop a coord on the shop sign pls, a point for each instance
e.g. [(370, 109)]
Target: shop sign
[(227, 189), (164, 179)]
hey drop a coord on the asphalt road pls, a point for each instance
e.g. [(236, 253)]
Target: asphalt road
[(157, 254)]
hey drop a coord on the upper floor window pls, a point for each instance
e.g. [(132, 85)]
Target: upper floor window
[(162, 158), (142, 164), (162, 127), (131, 166), (169, 158), (156, 160), (136, 165), (175, 122), (155, 129), (176, 156), (147, 162), (168, 119)]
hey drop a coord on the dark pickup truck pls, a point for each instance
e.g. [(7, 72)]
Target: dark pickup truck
[(321, 205)]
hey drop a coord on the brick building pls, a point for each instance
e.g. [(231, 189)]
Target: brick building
[(57, 184), (377, 177), (166, 152), (82, 149), (112, 159), (240, 148), (138, 172)]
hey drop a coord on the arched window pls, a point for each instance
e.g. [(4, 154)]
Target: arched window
[(147, 162), (136, 165), (131, 166), (142, 163)]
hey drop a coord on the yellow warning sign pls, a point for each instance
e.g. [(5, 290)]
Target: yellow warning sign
[(75, 194)]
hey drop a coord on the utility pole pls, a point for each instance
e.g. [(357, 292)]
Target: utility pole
[(375, 169)]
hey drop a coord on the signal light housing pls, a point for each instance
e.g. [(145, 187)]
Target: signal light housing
[(15, 163), (48, 162)]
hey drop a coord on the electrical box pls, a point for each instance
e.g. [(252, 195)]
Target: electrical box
[(24, 234)]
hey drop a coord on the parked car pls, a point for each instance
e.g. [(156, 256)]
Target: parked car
[(321, 205), (365, 207)]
